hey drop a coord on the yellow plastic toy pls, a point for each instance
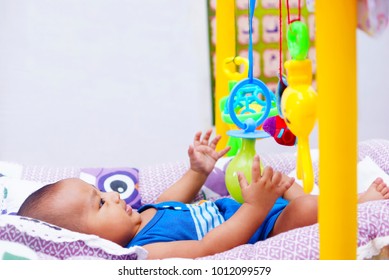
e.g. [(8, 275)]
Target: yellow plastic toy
[(299, 99), (298, 106)]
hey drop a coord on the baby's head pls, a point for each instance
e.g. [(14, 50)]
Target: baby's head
[(76, 205)]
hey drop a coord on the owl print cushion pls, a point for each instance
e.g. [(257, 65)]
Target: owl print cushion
[(124, 180)]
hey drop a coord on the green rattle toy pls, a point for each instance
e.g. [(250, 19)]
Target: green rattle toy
[(243, 95)]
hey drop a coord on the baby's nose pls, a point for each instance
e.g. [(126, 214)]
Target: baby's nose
[(114, 196)]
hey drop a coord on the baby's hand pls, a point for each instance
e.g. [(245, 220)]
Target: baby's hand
[(264, 189), (203, 154)]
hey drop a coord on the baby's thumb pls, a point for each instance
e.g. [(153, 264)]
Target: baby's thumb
[(242, 180), (190, 150)]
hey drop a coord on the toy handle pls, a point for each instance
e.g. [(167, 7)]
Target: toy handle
[(237, 60), (304, 164)]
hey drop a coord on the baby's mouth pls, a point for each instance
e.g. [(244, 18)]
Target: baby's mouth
[(128, 209)]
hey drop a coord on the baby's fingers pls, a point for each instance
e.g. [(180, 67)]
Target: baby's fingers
[(267, 174), (256, 169), (206, 137), (214, 141), (242, 180), (196, 139), (286, 184), (276, 179), (223, 152)]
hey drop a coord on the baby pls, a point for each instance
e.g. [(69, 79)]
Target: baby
[(273, 203)]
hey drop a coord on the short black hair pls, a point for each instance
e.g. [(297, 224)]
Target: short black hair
[(32, 205), (35, 206)]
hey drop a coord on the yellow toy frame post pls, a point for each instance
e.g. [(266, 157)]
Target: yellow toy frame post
[(336, 23), (225, 47)]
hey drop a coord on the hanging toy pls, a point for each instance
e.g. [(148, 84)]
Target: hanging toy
[(275, 125), (249, 104), (299, 99), (255, 110), (278, 129)]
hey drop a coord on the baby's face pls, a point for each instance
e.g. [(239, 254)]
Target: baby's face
[(99, 213)]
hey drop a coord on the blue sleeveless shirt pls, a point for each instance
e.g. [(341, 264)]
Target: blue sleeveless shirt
[(176, 221)]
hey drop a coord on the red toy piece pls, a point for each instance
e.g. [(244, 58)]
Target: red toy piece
[(278, 129)]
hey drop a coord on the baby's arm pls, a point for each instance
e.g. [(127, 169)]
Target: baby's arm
[(259, 197), (203, 157)]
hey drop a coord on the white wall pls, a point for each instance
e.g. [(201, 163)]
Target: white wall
[(373, 85), (115, 82), (101, 82)]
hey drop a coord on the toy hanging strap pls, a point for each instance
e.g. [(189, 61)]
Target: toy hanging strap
[(250, 55), (280, 38), (280, 50), (288, 9)]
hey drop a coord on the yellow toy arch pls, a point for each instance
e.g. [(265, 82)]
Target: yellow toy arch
[(336, 86)]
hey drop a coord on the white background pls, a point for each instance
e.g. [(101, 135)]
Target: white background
[(112, 83)]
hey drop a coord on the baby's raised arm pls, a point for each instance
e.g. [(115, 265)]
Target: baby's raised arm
[(203, 157), (260, 195)]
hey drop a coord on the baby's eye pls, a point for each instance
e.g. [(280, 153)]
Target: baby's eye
[(102, 201)]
